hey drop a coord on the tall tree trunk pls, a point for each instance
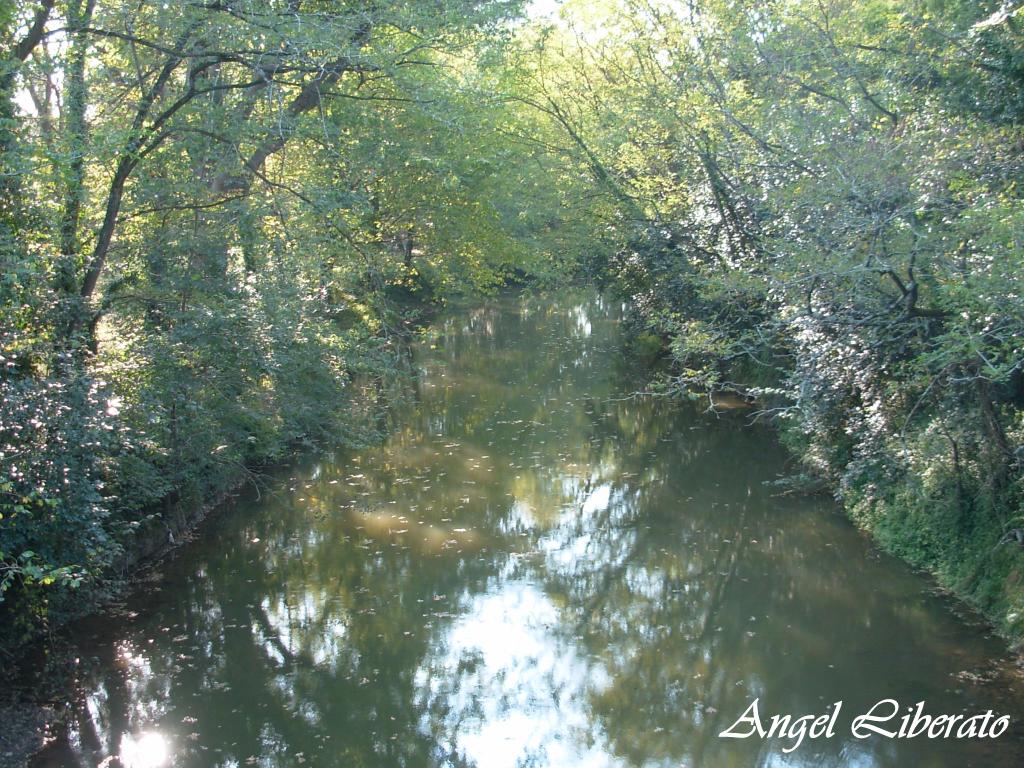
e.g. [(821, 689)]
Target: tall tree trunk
[(76, 136)]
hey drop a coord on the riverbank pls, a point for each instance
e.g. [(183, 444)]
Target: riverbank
[(41, 674), (900, 472), (531, 544), (41, 683), (40, 677), (142, 487)]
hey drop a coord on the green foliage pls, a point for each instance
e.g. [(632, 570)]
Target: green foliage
[(218, 222), (818, 203)]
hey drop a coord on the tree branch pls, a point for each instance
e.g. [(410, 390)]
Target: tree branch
[(23, 49)]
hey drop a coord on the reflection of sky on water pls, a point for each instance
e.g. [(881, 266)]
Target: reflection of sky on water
[(534, 570), (514, 692)]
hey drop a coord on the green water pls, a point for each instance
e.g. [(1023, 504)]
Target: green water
[(535, 570)]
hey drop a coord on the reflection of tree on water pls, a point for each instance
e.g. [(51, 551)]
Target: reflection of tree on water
[(534, 569), (699, 592), (652, 614), (314, 632), (288, 656)]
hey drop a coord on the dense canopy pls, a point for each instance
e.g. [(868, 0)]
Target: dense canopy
[(219, 219)]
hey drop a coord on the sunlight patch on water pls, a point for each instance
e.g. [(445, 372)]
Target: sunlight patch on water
[(144, 750)]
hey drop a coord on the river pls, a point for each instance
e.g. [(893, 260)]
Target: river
[(536, 569)]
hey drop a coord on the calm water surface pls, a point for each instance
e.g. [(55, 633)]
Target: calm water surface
[(535, 570)]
